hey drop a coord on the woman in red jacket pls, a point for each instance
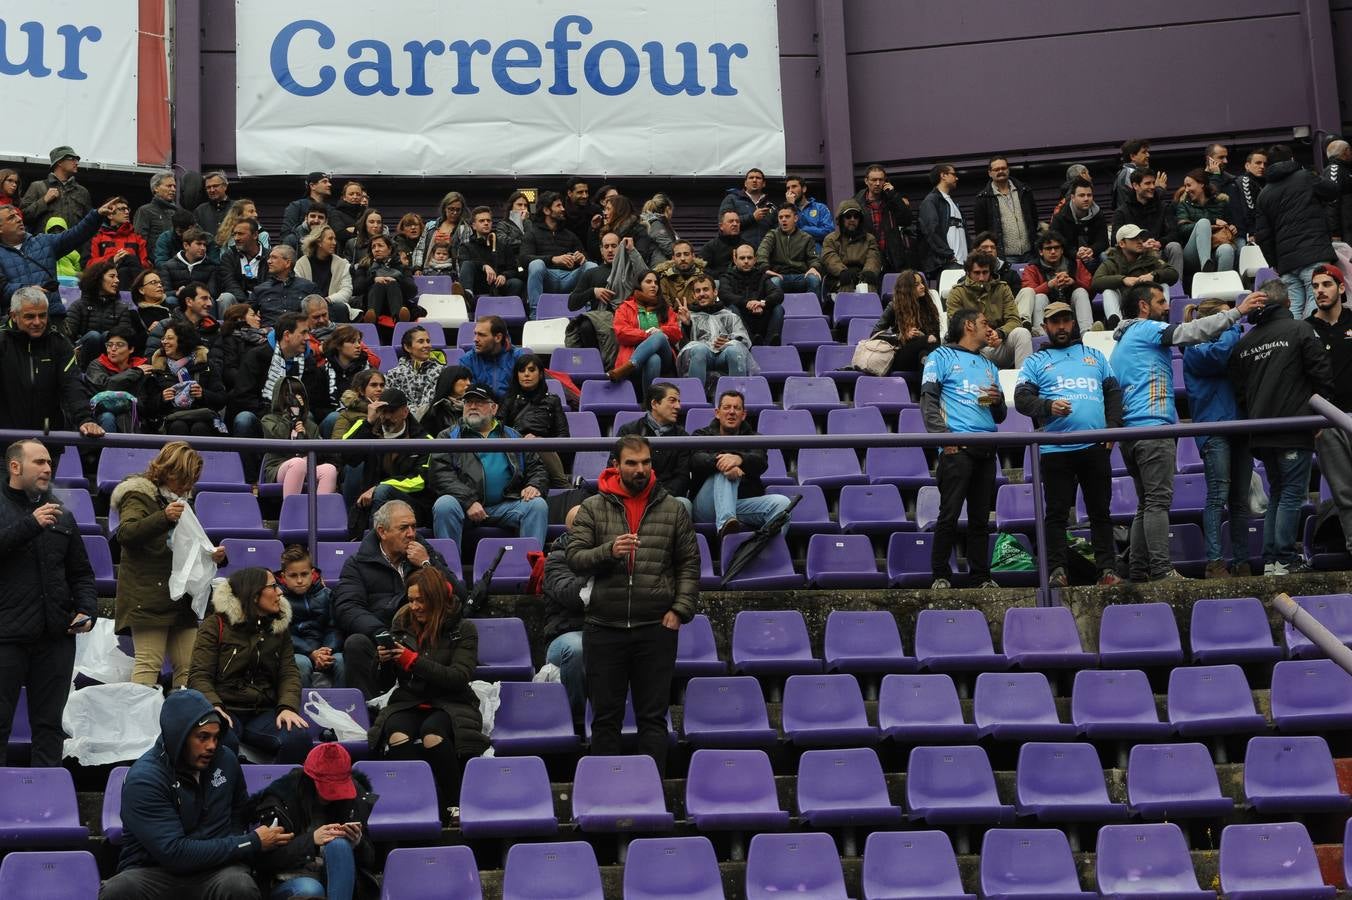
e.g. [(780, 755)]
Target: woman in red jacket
[(647, 330)]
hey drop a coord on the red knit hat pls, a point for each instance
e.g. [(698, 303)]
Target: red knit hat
[(329, 766)]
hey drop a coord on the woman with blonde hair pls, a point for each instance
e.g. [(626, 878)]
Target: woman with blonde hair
[(656, 217), (913, 319), (322, 264), (240, 210), (149, 506)]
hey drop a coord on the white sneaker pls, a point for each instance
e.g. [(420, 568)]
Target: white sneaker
[(1274, 568), (940, 584)]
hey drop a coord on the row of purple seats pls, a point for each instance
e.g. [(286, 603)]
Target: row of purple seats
[(815, 394)]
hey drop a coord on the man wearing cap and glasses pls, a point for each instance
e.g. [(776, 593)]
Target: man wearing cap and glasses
[(319, 188), (487, 488), (59, 194), (1130, 263)]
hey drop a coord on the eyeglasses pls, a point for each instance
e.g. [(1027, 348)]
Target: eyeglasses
[(272, 586), (149, 283)]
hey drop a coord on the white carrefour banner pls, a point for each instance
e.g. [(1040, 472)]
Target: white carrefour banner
[(68, 77), (413, 87)]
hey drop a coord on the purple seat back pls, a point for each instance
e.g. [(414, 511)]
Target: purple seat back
[(511, 309), (1029, 862), (230, 514), (953, 784), (69, 472), (1139, 634), (38, 809), (904, 467), (912, 864), (331, 556), (1052, 776), (843, 786), (755, 388), (1174, 780), (1043, 637), (683, 867), (506, 797), (504, 649), (80, 505), (732, 789), (1231, 630), (407, 808), (1146, 860), (619, 793), (806, 333), (696, 652), (1017, 705), (1333, 611), (955, 633), (908, 559), (1289, 774), (581, 363), (802, 304), (243, 553), (1212, 700), (101, 560), (331, 518), (607, 397), (533, 718), (1271, 860), (222, 470), (864, 641), (554, 306), (49, 875), (536, 871), (726, 711), (804, 864), (871, 508), (1311, 695), (111, 819), (116, 463), (855, 420), (777, 363), (775, 422), (831, 467), (811, 393), (834, 361), (583, 424), (922, 706), (513, 572), (431, 873), (889, 393), (825, 709), (771, 569), (771, 641), (1115, 703)]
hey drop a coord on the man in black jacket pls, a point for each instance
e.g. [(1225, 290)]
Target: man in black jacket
[(565, 614), (1276, 368), (553, 256), (243, 264), (1291, 226), (1006, 208), (1146, 209), (49, 597), (886, 213), (943, 233), (282, 291), (191, 264), (43, 390), (729, 491), (488, 268), (1083, 224), (399, 472), (1244, 194), (1332, 322), (371, 588), (748, 288), (286, 354), (663, 420), (717, 252)]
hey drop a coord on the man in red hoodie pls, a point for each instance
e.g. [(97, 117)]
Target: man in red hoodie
[(637, 544)]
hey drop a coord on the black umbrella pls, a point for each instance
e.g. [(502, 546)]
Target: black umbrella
[(478, 594), (752, 546)]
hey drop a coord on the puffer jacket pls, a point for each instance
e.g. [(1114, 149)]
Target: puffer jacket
[(102, 376), (1290, 226), (154, 218), (459, 474), (143, 599), (539, 413), (1108, 276), (245, 664), (564, 609), (662, 574), (857, 252), (1276, 367), (46, 572), (33, 262), (993, 298), (677, 286), (68, 266), (370, 590), (111, 239), (42, 382), (312, 624), (161, 377), (101, 314), (789, 253)]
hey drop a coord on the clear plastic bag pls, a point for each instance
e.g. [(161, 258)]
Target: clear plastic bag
[(319, 711), (99, 658), (548, 673), (489, 701), (110, 723)]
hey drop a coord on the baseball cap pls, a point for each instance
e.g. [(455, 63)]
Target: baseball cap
[(315, 177), (329, 766), (1127, 232), (393, 398), (1331, 271), (1055, 309), (211, 718), (481, 391), (60, 153)]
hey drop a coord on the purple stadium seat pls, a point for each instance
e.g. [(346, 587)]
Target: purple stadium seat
[(776, 470), (1139, 634), (331, 556), (922, 708), (660, 868), (834, 361), (116, 463), (723, 711), (111, 818), (842, 788), (38, 809), (1311, 695), (771, 570), (1187, 546), (1189, 498), (830, 467), (504, 649), (816, 395), (865, 641), (1231, 630), (733, 790), (927, 509), (804, 864), (549, 871), (1149, 861), (842, 561), (464, 336), (434, 284), (1122, 501), (431, 873), (1044, 638), (69, 473), (872, 508), (257, 777), (806, 333), (908, 559), (222, 470), (507, 797), (514, 570), (1014, 509), (696, 652), (754, 388), (435, 333), (810, 516), (407, 808), (1333, 611), (554, 306), (448, 550), (1017, 706), (825, 710), (857, 330), (889, 393), (101, 559), (370, 334), (350, 701), (697, 417), (1206, 700), (579, 363), (619, 793), (707, 581), (49, 875), (1292, 775), (855, 420), (802, 304), (911, 864), (1029, 862), (232, 515), (953, 786), (242, 554), (389, 357), (1174, 781), (771, 642), (1263, 862), (777, 363), (1063, 782), (511, 309), (533, 718), (850, 305), (691, 390), (583, 424), (292, 524), (904, 467), (1115, 704), (1189, 460), (955, 640), (588, 464), (605, 398), (777, 422), (80, 505)]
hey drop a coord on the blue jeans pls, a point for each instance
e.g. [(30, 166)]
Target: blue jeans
[(340, 871), (1198, 249), (530, 518), (1288, 473), (107, 421), (260, 730), (332, 677), (353, 476), (1228, 465), (650, 357), (699, 358), (797, 283), (1298, 286), (326, 426), (246, 425), (717, 502), (539, 278), (565, 651)]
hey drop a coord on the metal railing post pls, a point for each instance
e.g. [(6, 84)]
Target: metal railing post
[(312, 502), (1332, 413), (1313, 629), (1044, 594)]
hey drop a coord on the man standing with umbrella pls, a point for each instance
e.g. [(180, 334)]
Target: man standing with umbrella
[(636, 543)]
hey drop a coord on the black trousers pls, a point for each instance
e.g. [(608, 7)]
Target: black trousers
[(45, 667), (364, 671), (966, 476), (619, 661), (1091, 471)]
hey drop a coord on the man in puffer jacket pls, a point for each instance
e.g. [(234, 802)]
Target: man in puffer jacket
[(850, 254), (1291, 226), (638, 545), (791, 254)]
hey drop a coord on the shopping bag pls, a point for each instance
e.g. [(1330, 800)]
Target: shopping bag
[(111, 723), (319, 711), (193, 567), (98, 657), (489, 701)]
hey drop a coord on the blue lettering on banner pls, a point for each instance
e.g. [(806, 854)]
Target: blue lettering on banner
[(515, 65), (34, 64)]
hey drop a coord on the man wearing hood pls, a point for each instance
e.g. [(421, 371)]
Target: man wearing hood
[(715, 336), (638, 545), (1083, 224), (1276, 368), (748, 288), (1008, 343), (68, 266), (1291, 226), (753, 206), (850, 254), (183, 807)]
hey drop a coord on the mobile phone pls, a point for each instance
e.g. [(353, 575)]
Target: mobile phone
[(385, 640), (80, 621)]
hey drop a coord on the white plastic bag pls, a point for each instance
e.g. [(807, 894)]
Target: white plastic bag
[(382, 701), (110, 723), (489, 701), (548, 673), (193, 568), (320, 712), (99, 658)]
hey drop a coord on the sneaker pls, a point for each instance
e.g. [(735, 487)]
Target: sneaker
[(1097, 326), (1111, 323), (1299, 566), (731, 526), (1274, 568), (1217, 568), (989, 583), (1241, 570), (1109, 578), (940, 584), (1058, 579), (1172, 575)]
